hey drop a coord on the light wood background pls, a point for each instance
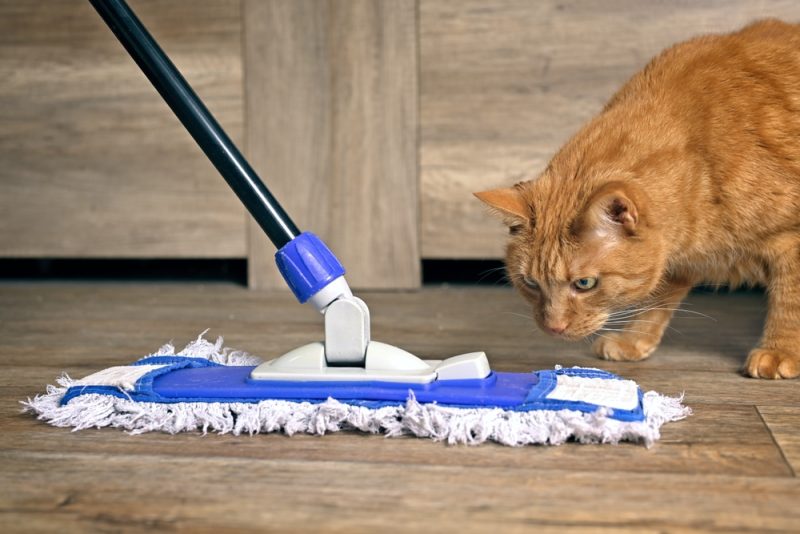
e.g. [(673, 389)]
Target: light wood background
[(332, 123), (372, 120), (92, 162), (730, 467), (504, 83)]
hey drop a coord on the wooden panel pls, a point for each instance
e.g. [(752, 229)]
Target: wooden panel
[(94, 163), (709, 443), (505, 82), (332, 127), (784, 423), (204, 493)]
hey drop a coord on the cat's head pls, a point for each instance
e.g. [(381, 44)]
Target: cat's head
[(578, 254)]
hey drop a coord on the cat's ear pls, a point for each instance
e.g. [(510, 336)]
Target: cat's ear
[(508, 202), (615, 207)]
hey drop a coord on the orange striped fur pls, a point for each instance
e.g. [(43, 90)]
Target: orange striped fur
[(689, 175)]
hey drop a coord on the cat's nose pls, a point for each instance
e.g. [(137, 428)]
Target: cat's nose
[(557, 328)]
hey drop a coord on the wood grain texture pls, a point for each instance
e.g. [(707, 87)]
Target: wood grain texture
[(685, 448), (784, 424), (503, 83), (728, 467), (94, 163), (243, 494), (332, 125)]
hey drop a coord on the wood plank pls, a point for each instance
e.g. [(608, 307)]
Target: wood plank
[(332, 125), (325, 495), (720, 469), (503, 83), (436, 323), (48, 329), (709, 443), (784, 424), (94, 163)]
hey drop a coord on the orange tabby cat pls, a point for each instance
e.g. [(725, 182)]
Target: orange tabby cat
[(690, 174)]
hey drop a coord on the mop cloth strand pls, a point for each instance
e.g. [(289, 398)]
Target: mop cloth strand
[(584, 405)]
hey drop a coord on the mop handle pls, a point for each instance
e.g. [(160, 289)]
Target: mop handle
[(310, 269), (191, 111)]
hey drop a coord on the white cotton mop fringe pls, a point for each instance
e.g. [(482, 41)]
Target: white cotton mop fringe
[(453, 425)]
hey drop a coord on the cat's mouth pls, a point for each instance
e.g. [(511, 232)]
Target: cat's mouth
[(575, 328), (571, 334), (579, 331)]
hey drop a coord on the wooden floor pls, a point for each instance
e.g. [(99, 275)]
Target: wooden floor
[(732, 466)]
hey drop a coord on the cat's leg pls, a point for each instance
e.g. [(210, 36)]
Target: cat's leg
[(641, 336), (778, 354)]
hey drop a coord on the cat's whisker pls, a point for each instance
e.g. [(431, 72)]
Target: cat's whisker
[(635, 319), (631, 313), (604, 337), (672, 329), (488, 272), (607, 329), (628, 315), (681, 310), (626, 321), (624, 330), (698, 315), (526, 317), (633, 310)]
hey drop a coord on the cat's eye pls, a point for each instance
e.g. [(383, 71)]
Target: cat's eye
[(585, 284), (530, 282), (516, 229)]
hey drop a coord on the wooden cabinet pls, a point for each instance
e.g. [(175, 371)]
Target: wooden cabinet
[(371, 120)]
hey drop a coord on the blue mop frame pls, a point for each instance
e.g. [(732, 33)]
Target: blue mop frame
[(196, 380)]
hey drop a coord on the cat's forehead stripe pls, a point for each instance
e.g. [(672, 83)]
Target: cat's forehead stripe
[(551, 265)]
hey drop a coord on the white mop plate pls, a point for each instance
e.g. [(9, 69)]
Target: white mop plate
[(383, 363)]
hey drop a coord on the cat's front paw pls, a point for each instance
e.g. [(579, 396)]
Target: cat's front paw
[(772, 363), (623, 348)]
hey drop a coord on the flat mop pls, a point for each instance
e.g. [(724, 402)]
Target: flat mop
[(348, 381)]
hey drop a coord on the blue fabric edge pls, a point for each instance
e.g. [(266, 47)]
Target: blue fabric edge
[(535, 400)]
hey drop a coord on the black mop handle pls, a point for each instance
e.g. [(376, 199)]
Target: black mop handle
[(198, 120)]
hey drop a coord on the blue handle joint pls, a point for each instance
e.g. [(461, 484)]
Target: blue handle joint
[(307, 265)]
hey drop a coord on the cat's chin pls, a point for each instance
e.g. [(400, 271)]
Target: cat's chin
[(579, 335), (573, 334)]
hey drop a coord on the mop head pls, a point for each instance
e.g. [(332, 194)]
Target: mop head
[(580, 404)]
